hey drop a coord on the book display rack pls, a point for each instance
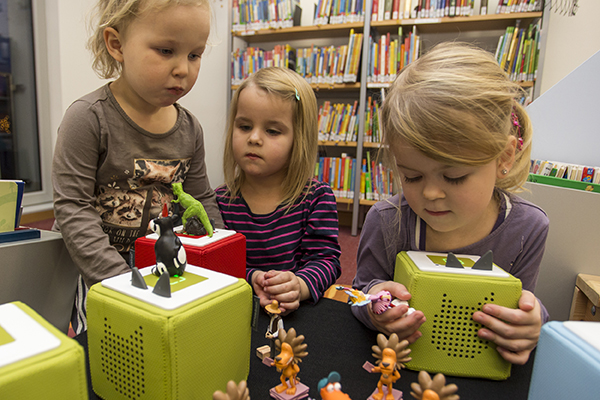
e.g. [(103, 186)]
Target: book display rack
[(350, 60)]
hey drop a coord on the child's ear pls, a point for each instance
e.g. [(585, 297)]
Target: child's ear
[(507, 158), (112, 40)]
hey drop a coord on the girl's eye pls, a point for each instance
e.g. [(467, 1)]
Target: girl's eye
[(244, 127), (408, 179), (273, 132), (165, 52), (456, 181), (194, 57)]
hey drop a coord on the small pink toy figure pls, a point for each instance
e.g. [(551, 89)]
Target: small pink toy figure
[(380, 302)]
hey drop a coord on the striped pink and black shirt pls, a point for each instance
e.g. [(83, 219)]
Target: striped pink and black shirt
[(304, 241)]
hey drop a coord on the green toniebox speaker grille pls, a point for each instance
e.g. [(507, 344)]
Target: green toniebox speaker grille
[(448, 297), (37, 361), (144, 346)]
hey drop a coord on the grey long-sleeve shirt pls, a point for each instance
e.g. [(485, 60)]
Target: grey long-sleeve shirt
[(111, 177)]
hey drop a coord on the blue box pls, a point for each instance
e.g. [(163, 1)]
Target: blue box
[(567, 362)]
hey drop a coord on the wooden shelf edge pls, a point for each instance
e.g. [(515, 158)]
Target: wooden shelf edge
[(343, 200), (387, 23), (345, 143), (459, 19), (299, 29)]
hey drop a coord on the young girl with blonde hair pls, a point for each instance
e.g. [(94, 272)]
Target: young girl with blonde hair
[(460, 143), (289, 219), (121, 147)]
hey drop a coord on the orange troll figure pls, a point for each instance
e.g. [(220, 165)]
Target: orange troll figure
[(390, 355), (291, 351), (433, 389), (234, 392)]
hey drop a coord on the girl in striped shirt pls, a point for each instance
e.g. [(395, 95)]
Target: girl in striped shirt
[(289, 219)]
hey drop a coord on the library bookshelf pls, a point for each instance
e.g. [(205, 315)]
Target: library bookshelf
[(481, 30)]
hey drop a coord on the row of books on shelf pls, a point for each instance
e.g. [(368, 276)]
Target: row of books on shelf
[(384, 10), (339, 122), (512, 6), (518, 51), (388, 55), (376, 181), (318, 65), (573, 172), (264, 14), (343, 11), (339, 12), (251, 15)]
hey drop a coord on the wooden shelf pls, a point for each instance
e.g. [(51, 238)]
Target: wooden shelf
[(342, 200), (458, 24), (373, 85), (343, 143), (483, 30), (299, 32), (472, 23), (326, 86)]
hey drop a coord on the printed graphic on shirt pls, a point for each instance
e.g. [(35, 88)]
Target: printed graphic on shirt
[(127, 206)]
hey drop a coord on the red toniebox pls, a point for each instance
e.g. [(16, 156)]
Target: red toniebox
[(224, 252)]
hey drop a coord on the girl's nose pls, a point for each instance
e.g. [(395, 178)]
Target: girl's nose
[(432, 191), (255, 137), (181, 68)]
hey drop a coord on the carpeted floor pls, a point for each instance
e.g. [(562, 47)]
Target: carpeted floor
[(348, 244)]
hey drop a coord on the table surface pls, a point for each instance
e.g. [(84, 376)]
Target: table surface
[(338, 342)]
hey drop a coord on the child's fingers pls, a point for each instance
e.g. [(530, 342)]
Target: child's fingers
[(396, 290), (278, 277), (527, 302), (519, 357), (405, 327)]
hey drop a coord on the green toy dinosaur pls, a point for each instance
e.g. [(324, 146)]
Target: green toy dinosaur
[(192, 208)]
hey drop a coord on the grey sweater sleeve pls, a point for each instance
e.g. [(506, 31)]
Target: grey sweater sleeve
[(76, 157)]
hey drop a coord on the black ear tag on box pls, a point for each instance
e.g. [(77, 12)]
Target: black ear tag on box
[(255, 311), (452, 261), (486, 262)]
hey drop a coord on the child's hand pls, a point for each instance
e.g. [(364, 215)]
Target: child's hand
[(393, 320), (258, 282), (515, 332), (285, 287)]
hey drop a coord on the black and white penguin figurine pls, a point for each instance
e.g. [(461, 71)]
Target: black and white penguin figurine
[(170, 254)]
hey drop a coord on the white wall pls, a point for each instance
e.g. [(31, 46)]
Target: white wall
[(570, 41)]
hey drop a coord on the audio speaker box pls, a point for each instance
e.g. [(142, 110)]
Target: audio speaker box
[(37, 361), (187, 346), (448, 297)]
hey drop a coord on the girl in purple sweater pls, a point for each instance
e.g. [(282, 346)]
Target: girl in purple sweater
[(459, 142)]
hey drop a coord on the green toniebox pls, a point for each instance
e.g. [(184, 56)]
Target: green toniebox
[(187, 346), (37, 361), (448, 296)]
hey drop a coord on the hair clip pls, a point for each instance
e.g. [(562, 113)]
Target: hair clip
[(297, 95), (515, 122)]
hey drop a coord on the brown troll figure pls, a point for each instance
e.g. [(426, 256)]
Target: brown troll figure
[(390, 355), (291, 352), (433, 389), (234, 392)]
